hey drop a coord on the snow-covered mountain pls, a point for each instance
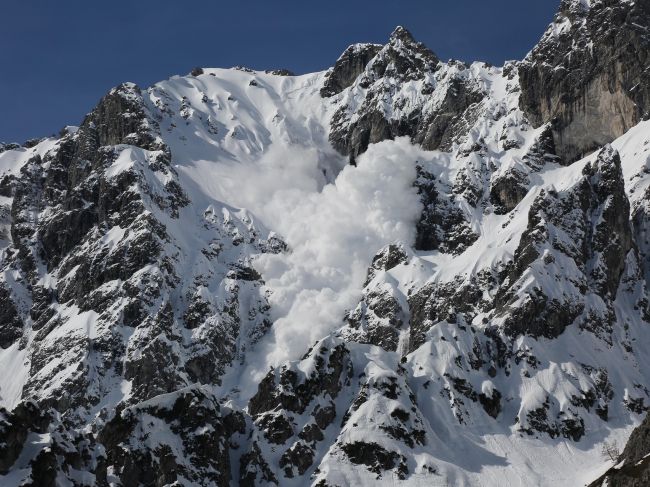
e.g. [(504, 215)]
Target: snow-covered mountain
[(397, 271)]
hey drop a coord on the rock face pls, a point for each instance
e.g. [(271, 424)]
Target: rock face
[(349, 66), (15, 426), (600, 90), (154, 332), (508, 191), (380, 316), (442, 225), (180, 437), (294, 409)]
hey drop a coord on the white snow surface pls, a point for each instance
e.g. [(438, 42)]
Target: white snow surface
[(255, 145), (270, 155)]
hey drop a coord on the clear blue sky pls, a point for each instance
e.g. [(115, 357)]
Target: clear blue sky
[(57, 58)]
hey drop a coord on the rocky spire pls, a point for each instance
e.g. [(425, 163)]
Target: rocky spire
[(404, 57), (402, 34)]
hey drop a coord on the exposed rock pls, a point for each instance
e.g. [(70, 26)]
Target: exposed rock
[(538, 420), (197, 423), (280, 72), (379, 316), (376, 458), (348, 67), (377, 319), (542, 151), (11, 326), (386, 259), (442, 225), (280, 406), (277, 428), (366, 120), (454, 302), (296, 393), (8, 146), (15, 426), (602, 88), (299, 457), (119, 118), (508, 190), (254, 470)]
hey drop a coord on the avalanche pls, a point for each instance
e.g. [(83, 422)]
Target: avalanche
[(396, 271)]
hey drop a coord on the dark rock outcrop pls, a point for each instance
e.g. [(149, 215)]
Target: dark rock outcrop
[(377, 319), (375, 458), (15, 426), (333, 366), (508, 190), (196, 422), (442, 225), (453, 302), (348, 68), (589, 74), (11, 325)]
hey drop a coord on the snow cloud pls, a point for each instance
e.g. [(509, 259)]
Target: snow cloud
[(333, 231)]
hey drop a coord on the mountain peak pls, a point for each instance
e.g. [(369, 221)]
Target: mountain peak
[(576, 6), (403, 34), (407, 56)]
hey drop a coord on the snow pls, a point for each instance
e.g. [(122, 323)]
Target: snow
[(333, 235), (15, 369), (12, 161), (333, 217), (264, 147), (251, 151)]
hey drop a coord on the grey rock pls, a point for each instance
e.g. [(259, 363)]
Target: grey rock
[(376, 458), (280, 72), (348, 68), (254, 470), (442, 225), (333, 366), (508, 190), (15, 426), (377, 319), (193, 418), (11, 325), (386, 259), (590, 81), (454, 302), (402, 60)]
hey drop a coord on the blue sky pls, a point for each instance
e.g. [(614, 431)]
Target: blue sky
[(57, 58)]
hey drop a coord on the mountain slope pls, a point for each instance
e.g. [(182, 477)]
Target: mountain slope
[(399, 270)]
